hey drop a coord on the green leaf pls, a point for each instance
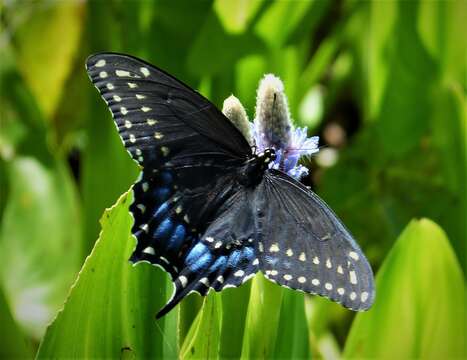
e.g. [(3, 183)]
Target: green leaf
[(13, 344), (39, 234), (280, 20), (419, 310), (406, 103), (292, 324), (235, 15), (262, 319), (202, 341), (111, 307), (234, 312), (45, 51)]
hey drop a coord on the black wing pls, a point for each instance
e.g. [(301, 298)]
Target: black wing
[(304, 246), (225, 254), (187, 150)]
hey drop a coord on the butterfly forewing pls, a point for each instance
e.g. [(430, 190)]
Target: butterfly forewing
[(304, 245), (183, 144)]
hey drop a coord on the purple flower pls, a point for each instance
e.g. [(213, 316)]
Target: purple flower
[(273, 128)]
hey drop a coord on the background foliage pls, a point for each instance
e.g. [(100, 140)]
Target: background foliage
[(382, 82)]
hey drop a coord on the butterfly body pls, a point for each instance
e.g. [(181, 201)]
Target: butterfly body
[(208, 209)]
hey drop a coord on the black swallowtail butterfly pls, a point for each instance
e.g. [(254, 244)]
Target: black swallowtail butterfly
[(208, 209)]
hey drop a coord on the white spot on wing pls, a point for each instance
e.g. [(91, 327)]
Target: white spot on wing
[(274, 272), (123, 110), (165, 150), (128, 125), (354, 255), (100, 63), (340, 291), (141, 207), (288, 277), (145, 109), (239, 273), (151, 122), (204, 281), (209, 239), (364, 296), (122, 73), (145, 186), (132, 85), (139, 96), (144, 71), (220, 279), (353, 295), (255, 262), (217, 245), (339, 270), (149, 250), (316, 260), (274, 248), (132, 138), (301, 279), (328, 263), (117, 98), (183, 280), (110, 86), (158, 135), (315, 282), (353, 277), (289, 252), (302, 257), (103, 74), (328, 286)]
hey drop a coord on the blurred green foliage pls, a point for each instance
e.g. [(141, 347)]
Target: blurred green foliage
[(382, 82)]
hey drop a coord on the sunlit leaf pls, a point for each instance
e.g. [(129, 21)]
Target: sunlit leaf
[(419, 310), (262, 319), (235, 15), (202, 341), (292, 341), (234, 311), (45, 51), (13, 343), (40, 233), (280, 19), (110, 312)]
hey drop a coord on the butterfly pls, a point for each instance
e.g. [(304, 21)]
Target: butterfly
[(211, 211)]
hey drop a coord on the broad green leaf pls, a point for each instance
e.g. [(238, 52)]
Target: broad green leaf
[(280, 20), (224, 49), (45, 51), (13, 343), (406, 103), (234, 311), (293, 340), (110, 312), (202, 341), (235, 15), (419, 310), (449, 136), (262, 319), (40, 233)]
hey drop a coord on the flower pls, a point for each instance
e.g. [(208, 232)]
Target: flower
[(273, 128)]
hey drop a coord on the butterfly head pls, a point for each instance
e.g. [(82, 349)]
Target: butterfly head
[(266, 157)]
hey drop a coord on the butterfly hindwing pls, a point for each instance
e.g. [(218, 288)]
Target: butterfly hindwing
[(224, 255), (304, 246)]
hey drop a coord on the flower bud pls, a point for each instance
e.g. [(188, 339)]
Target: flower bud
[(272, 122), (235, 112)]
